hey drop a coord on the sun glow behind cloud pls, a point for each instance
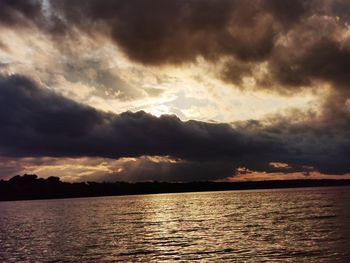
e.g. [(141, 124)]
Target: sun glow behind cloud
[(190, 91)]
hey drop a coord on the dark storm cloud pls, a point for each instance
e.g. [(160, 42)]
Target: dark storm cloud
[(37, 122), (311, 51), (318, 142), (248, 32), (287, 12), (158, 32), (325, 60), (19, 12)]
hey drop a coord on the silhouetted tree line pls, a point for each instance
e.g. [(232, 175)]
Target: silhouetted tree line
[(29, 186)]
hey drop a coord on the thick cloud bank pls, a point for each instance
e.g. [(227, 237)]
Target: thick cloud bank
[(37, 122)]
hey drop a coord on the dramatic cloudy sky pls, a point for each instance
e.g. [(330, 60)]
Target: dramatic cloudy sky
[(178, 90)]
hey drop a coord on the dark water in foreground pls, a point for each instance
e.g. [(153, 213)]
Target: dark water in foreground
[(291, 225)]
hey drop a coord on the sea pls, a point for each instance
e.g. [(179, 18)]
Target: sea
[(281, 225)]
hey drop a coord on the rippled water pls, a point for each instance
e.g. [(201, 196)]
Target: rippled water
[(293, 225)]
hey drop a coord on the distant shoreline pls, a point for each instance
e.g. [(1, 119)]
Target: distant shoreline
[(30, 187)]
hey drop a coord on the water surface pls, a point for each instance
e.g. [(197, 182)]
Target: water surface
[(290, 225)]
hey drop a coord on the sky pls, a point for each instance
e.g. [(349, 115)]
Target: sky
[(178, 90)]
